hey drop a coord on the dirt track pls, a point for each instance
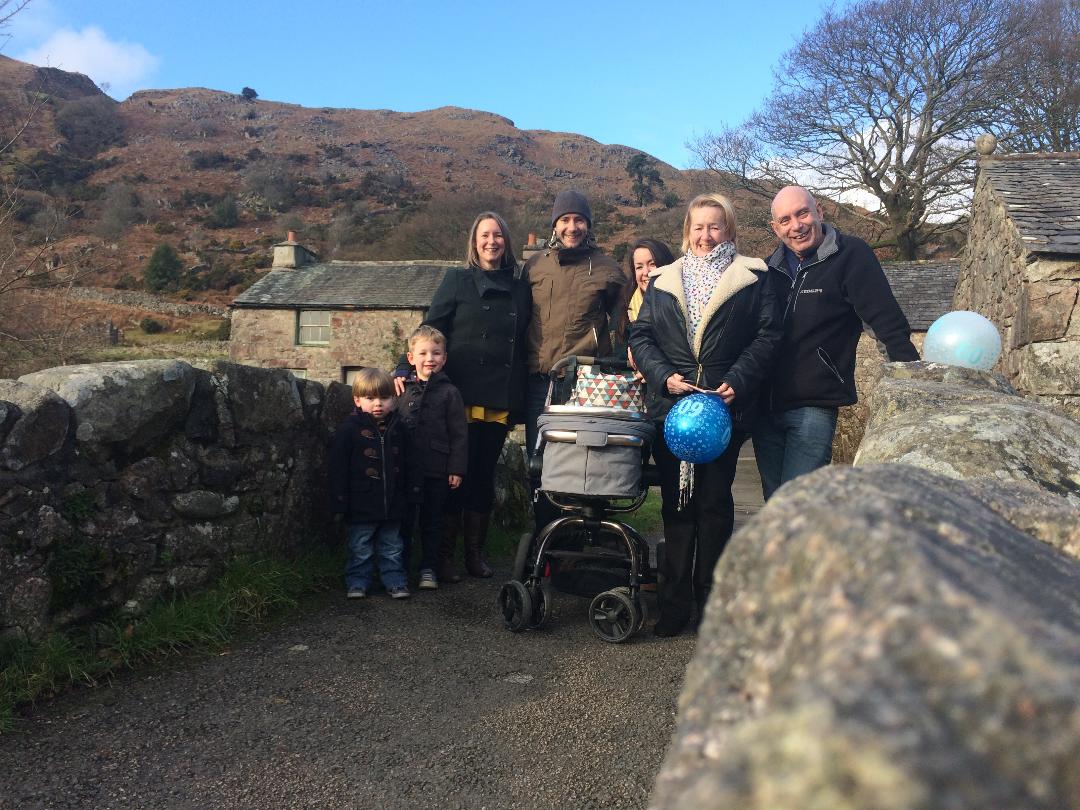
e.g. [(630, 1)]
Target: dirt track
[(380, 704)]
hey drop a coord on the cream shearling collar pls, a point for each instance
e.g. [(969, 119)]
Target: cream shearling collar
[(738, 275)]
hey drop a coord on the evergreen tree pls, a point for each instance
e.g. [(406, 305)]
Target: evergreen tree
[(163, 270)]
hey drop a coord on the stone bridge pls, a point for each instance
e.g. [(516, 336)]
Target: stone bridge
[(903, 633)]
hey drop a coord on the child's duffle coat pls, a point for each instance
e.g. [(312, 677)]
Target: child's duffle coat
[(368, 469)]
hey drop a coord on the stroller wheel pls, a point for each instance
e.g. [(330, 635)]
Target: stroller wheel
[(516, 606), (639, 603), (541, 605), (614, 616)]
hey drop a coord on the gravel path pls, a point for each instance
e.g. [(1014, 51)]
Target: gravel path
[(379, 704), (428, 702)]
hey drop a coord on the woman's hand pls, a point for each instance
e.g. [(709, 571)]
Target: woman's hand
[(399, 385), (727, 393), (455, 481), (677, 384)]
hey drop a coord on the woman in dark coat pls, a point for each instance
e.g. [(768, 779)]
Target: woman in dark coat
[(484, 310), (708, 322)]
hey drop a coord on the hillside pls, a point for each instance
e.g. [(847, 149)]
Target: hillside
[(220, 178)]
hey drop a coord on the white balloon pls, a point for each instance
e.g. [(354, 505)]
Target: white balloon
[(963, 338)]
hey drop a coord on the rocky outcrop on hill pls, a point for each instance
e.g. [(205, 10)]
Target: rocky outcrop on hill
[(899, 635)]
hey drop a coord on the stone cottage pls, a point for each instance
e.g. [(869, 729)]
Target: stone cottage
[(1022, 269), (326, 320)]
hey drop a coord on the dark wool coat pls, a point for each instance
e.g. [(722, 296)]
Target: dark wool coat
[(434, 415), (367, 469), (485, 317), (836, 290), (735, 342)]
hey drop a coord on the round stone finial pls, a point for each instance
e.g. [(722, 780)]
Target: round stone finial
[(985, 144)]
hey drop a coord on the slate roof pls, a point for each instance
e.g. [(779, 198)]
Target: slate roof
[(347, 285), (924, 289), (1042, 197)]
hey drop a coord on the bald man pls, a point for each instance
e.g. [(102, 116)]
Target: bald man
[(836, 285)]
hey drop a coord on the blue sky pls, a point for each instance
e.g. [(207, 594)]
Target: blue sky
[(647, 75)]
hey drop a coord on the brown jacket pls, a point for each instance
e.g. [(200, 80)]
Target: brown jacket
[(575, 293)]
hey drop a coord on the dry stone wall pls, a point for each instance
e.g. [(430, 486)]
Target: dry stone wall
[(1031, 297), (904, 633), (124, 482), (851, 419)]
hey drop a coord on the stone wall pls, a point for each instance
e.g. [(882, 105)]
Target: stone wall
[(126, 481), (142, 300), (123, 482), (851, 419), (267, 338), (1031, 297), (902, 634)]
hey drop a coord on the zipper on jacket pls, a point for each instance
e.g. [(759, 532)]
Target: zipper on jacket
[(823, 356), (796, 286)]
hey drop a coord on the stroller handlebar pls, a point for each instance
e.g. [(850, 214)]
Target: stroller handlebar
[(588, 360)]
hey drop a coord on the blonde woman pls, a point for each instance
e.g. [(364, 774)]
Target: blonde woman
[(708, 322)]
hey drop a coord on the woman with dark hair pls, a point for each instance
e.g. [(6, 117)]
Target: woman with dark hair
[(708, 322), (484, 310), (642, 257)]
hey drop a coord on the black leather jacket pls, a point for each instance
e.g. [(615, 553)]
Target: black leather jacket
[(736, 340)]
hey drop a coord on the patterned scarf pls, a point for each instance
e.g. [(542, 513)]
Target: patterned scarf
[(700, 275)]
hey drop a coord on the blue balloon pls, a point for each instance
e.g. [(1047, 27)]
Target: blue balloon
[(698, 428), (962, 338)]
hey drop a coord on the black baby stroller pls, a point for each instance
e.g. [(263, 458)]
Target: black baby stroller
[(590, 465)]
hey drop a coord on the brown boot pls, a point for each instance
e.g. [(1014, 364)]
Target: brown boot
[(450, 530), (476, 529)]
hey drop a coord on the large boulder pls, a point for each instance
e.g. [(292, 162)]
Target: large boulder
[(259, 399), (880, 638), (36, 421), (134, 403), (969, 424)]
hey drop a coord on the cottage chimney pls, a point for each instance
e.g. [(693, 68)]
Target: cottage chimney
[(290, 254), (532, 247), (532, 240)]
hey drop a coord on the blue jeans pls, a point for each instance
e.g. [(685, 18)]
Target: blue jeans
[(788, 444), (371, 543)]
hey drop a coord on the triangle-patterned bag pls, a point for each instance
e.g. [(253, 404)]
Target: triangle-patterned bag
[(610, 389)]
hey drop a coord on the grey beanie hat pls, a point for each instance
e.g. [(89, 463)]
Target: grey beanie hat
[(570, 202)]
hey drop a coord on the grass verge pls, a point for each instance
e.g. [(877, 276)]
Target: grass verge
[(250, 591)]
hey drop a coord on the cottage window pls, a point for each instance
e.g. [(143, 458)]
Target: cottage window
[(314, 327), (299, 373)]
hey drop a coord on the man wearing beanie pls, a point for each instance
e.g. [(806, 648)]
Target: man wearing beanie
[(576, 290)]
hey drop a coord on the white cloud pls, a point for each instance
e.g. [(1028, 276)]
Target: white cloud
[(124, 66)]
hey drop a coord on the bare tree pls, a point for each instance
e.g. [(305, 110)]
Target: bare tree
[(1041, 113), (878, 103), (9, 8)]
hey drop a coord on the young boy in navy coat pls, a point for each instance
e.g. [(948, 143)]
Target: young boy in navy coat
[(434, 415), (368, 485)]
